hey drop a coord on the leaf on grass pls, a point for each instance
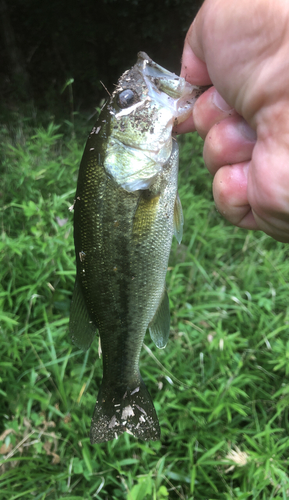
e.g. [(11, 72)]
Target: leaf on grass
[(5, 448), (6, 433), (47, 448), (56, 458)]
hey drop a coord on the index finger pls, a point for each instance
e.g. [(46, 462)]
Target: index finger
[(195, 72), (193, 69)]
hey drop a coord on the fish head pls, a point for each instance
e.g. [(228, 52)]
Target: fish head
[(147, 102)]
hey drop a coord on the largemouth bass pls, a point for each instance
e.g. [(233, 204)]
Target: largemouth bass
[(126, 211)]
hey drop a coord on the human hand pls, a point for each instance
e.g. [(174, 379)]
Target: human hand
[(242, 48)]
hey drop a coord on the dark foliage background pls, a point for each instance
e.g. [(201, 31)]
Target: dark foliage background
[(49, 42)]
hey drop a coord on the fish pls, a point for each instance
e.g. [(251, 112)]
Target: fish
[(126, 211)]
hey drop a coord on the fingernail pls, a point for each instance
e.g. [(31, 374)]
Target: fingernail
[(247, 132), (220, 102)]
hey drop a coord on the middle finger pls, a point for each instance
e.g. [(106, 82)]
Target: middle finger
[(228, 142)]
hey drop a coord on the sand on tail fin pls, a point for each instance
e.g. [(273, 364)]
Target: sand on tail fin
[(120, 409)]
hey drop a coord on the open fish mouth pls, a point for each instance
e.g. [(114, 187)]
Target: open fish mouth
[(142, 142), (169, 90)]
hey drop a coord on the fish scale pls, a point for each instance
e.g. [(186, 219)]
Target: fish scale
[(126, 211)]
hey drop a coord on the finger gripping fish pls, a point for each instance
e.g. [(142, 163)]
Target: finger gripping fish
[(126, 211)]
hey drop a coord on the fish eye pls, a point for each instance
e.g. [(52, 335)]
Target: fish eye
[(126, 98)]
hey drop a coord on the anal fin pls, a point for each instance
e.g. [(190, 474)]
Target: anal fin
[(82, 329), (159, 327)]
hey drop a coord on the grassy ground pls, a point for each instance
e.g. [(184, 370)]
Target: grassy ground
[(220, 387)]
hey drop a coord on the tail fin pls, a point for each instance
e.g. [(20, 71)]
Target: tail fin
[(124, 409)]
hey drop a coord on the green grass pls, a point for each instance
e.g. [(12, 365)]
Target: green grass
[(220, 387)]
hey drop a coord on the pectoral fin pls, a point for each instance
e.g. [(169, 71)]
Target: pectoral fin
[(82, 329), (178, 219), (159, 327)]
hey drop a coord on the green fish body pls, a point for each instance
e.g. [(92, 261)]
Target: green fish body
[(126, 211)]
